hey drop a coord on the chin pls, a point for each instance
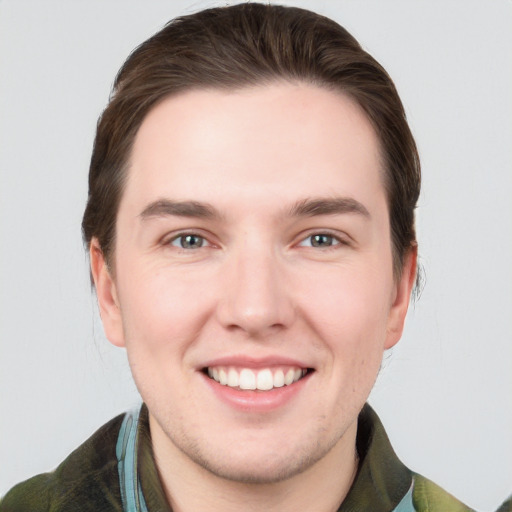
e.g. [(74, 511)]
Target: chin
[(261, 472), (261, 464)]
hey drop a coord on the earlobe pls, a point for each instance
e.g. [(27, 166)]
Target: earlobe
[(106, 293), (404, 287)]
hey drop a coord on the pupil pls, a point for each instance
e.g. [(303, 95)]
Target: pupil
[(321, 240), (191, 241)]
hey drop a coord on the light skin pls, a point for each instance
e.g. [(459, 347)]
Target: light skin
[(253, 233)]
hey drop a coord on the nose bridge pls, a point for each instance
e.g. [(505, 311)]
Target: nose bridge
[(255, 298)]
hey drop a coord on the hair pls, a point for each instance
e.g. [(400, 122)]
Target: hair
[(241, 46)]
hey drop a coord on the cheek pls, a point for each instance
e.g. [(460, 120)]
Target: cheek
[(349, 317), (161, 312), (351, 304), (161, 320)]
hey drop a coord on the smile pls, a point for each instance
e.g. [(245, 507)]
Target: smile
[(263, 379)]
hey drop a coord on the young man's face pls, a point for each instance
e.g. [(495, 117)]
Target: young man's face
[(253, 244)]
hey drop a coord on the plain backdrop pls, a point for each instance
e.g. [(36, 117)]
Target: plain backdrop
[(444, 393)]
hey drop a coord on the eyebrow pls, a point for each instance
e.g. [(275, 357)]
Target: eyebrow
[(165, 207), (309, 207), (328, 206)]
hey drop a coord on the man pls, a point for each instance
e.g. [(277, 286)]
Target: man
[(250, 224)]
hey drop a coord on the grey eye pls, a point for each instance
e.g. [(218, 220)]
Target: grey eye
[(188, 241), (322, 240)]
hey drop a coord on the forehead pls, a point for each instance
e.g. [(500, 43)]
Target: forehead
[(285, 139)]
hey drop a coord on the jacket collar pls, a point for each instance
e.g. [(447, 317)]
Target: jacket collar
[(382, 480)]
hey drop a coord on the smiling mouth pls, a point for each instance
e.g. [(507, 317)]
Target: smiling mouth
[(264, 379)]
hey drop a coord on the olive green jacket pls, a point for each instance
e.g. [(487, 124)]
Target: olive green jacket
[(115, 470)]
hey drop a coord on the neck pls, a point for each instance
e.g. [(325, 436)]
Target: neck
[(321, 487)]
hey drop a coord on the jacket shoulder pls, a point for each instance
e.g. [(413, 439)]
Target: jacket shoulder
[(33, 494), (429, 497), (86, 480)]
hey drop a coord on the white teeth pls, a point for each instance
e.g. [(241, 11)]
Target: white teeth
[(233, 380), (247, 379), (279, 379), (263, 380)]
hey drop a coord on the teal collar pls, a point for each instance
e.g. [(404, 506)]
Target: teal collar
[(126, 452)]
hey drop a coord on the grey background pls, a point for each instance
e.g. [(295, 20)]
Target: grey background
[(444, 393)]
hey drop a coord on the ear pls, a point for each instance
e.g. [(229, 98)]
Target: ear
[(107, 295), (402, 298)]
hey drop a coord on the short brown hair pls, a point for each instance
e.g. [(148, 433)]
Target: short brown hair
[(239, 46)]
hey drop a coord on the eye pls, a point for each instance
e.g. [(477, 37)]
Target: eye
[(320, 240), (188, 241)]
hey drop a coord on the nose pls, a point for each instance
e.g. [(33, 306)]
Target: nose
[(255, 297)]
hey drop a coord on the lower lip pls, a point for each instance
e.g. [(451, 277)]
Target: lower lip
[(256, 401)]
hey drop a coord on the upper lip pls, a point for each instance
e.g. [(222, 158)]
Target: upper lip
[(253, 362)]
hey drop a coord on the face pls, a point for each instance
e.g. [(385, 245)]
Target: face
[(253, 285)]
